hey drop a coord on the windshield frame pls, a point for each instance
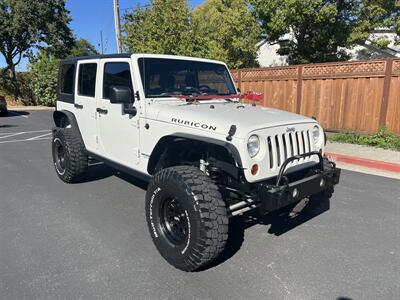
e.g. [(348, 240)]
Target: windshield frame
[(230, 84)]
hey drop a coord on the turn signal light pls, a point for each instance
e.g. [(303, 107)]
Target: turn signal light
[(254, 169)]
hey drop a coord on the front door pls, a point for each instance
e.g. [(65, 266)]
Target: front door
[(118, 131)]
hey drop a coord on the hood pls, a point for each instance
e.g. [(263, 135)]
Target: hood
[(218, 117)]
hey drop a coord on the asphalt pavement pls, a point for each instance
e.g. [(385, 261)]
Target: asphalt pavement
[(90, 240)]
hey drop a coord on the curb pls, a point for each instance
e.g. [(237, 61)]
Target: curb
[(16, 108), (364, 162)]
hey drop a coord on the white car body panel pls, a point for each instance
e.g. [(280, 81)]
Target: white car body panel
[(124, 139)]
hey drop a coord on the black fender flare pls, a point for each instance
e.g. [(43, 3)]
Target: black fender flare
[(66, 119), (162, 144)]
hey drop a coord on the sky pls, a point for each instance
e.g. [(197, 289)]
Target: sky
[(90, 17)]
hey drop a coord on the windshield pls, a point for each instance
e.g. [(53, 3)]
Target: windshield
[(171, 77)]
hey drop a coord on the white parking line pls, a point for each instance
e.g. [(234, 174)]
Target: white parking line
[(17, 114), (37, 137), (16, 141), (8, 134)]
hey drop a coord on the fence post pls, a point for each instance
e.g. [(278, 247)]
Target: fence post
[(386, 90), (299, 88), (239, 79)]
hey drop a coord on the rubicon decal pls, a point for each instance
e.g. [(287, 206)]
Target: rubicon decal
[(194, 124)]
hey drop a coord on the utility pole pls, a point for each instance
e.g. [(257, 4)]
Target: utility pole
[(117, 26), (101, 41)]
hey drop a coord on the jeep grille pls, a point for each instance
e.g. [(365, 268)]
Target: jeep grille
[(283, 146)]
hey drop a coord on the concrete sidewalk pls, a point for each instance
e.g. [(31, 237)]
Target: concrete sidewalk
[(365, 159)]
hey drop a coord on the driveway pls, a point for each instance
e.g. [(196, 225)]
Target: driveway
[(90, 240)]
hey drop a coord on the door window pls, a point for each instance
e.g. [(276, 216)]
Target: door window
[(87, 79), (116, 73)]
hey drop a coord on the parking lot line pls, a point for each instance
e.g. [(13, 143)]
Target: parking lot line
[(10, 135), (26, 140), (21, 132), (39, 136)]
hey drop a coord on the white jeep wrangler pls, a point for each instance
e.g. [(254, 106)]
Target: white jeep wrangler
[(177, 122)]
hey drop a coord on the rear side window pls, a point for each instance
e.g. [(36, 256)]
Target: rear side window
[(87, 79), (67, 78), (116, 73)]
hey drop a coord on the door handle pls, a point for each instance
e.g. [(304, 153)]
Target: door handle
[(80, 106), (102, 111)]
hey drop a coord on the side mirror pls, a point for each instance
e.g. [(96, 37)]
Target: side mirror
[(120, 94)]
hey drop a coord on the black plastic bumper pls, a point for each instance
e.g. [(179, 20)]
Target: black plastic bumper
[(284, 192)]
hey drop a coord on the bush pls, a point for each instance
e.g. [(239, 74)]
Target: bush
[(24, 83), (382, 139), (44, 71)]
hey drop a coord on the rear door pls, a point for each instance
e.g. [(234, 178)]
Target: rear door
[(118, 131), (86, 91)]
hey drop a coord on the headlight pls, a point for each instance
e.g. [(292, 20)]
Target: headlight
[(253, 145), (316, 133)]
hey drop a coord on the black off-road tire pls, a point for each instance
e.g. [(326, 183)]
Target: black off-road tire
[(202, 210), (75, 162)]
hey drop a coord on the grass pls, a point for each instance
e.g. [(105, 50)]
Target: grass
[(382, 139)]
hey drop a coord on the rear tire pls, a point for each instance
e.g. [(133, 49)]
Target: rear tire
[(187, 217), (69, 155)]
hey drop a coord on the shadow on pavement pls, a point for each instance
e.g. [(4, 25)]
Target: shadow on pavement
[(280, 222), (98, 170), (7, 126), (16, 113)]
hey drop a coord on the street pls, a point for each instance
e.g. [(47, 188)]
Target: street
[(90, 240)]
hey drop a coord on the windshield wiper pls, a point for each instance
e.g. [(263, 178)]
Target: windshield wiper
[(208, 97)]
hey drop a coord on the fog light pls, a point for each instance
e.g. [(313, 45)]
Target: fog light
[(254, 169), (295, 193), (322, 182)]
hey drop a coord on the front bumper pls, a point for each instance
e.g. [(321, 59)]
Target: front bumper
[(271, 197)]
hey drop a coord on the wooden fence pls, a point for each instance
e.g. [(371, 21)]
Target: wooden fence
[(360, 96)]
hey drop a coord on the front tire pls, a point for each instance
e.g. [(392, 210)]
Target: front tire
[(69, 155), (187, 217)]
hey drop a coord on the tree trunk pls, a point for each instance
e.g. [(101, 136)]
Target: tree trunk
[(13, 77)]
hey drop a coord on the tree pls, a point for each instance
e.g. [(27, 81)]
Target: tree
[(229, 31), (32, 24), (45, 71), (82, 47), (316, 27), (372, 14), (218, 29), (162, 27)]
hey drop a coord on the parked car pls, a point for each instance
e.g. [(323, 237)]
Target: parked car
[(177, 122), (3, 106)]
